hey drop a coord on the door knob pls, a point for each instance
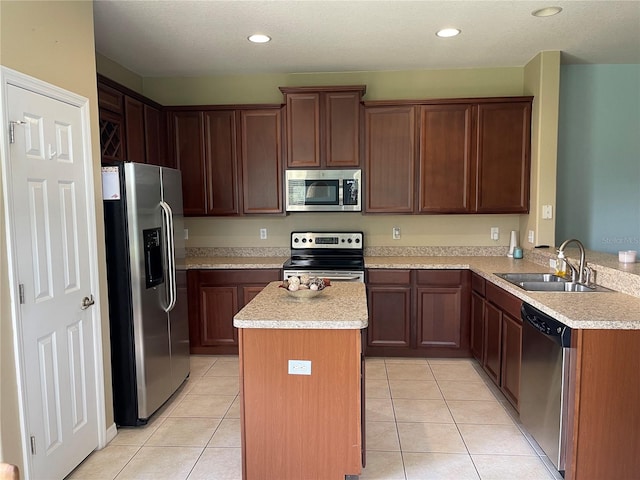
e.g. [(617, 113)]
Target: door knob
[(87, 302)]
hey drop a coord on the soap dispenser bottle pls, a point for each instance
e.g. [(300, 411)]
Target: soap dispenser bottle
[(561, 265)]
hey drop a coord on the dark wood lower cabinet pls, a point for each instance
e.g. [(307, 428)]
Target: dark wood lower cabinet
[(418, 313), (502, 341), (215, 296)]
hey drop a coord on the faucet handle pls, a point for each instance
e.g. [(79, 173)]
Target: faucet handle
[(589, 275)]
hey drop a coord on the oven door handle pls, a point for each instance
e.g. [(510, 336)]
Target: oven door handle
[(354, 277)]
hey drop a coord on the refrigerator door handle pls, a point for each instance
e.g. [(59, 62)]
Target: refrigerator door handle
[(170, 256)]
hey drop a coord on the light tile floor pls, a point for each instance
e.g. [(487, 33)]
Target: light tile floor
[(426, 419)]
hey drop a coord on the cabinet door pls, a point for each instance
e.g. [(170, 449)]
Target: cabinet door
[(445, 159), (134, 123), (477, 325), (342, 129), (222, 177), (389, 316), (511, 358), (438, 316), (303, 130), (248, 292), (504, 138), (492, 341), (155, 137), (390, 158), (187, 130), (261, 154), (112, 145), (218, 305)]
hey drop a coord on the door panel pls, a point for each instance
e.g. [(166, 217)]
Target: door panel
[(51, 222)]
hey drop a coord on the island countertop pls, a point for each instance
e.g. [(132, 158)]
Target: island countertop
[(343, 305)]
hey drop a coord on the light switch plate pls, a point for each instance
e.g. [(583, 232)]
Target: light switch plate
[(299, 367), (532, 236)]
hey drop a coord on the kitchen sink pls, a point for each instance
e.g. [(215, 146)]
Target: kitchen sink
[(531, 277), (548, 282)]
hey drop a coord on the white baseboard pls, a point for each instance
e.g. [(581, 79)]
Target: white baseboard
[(112, 431)]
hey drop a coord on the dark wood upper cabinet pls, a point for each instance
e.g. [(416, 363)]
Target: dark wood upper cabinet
[(155, 137), (474, 157), (134, 123), (231, 159), (503, 145), (132, 127), (323, 126), (390, 152), (221, 162), (446, 167), (188, 149), (261, 160)]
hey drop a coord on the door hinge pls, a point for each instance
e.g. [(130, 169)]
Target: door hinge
[(12, 124), (21, 293), (33, 445)]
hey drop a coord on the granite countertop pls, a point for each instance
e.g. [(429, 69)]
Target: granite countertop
[(343, 305), (598, 310)]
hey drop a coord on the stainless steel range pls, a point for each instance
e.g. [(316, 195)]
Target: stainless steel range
[(338, 256)]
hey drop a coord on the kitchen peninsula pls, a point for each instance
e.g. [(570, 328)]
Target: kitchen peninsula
[(301, 383)]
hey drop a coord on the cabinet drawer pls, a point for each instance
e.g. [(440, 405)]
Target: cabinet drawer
[(238, 277), (388, 277), (478, 284), (504, 300), (439, 277)]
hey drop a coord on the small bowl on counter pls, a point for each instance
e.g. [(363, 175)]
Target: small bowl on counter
[(304, 287)]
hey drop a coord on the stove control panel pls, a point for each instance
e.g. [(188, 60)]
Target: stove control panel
[(353, 240)]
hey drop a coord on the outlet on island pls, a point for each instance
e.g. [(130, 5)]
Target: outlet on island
[(299, 367)]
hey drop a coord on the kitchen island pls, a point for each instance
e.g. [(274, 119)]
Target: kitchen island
[(301, 383)]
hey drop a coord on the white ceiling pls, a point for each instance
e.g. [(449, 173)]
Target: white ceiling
[(157, 38)]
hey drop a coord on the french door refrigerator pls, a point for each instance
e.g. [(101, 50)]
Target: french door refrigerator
[(147, 286)]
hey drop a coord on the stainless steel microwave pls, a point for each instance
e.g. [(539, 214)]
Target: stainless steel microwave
[(323, 190)]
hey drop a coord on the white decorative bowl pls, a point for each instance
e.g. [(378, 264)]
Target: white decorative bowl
[(304, 293)]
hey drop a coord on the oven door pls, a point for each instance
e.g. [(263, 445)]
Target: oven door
[(333, 275)]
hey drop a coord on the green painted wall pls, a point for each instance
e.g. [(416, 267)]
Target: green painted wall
[(598, 185), (230, 89)]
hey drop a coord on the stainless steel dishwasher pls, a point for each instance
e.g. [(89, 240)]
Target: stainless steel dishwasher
[(544, 382)]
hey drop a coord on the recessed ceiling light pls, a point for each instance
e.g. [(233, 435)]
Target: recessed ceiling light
[(546, 12), (448, 32), (259, 38)]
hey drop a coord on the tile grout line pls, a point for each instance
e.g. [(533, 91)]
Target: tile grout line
[(395, 420)]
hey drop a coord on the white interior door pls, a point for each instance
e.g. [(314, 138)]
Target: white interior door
[(55, 257)]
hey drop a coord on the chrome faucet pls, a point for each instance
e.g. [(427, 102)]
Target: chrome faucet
[(582, 271)]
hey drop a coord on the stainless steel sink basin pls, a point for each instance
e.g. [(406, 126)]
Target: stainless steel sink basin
[(547, 282), (559, 287), (531, 277)]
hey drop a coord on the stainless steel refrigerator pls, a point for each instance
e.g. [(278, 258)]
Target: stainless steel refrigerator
[(144, 234)]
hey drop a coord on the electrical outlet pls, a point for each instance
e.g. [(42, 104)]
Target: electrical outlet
[(396, 233), (547, 212), (263, 234), (299, 367), (532, 236), (495, 233)]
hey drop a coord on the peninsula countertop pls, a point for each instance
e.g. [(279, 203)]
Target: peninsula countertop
[(341, 306)]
